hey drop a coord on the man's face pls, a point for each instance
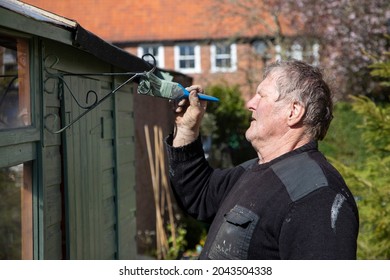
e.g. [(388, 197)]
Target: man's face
[(269, 116)]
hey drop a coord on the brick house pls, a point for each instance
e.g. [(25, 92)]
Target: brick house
[(208, 40)]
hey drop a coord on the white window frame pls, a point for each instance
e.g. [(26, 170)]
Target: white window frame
[(278, 52), (232, 55), (159, 56), (316, 54), (296, 51), (195, 57)]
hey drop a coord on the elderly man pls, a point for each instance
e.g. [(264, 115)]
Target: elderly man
[(289, 202)]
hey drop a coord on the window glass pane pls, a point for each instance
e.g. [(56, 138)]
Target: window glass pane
[(11, 182), (155, 50), (260, 48), (223, 56), (16, 212), (223, 63), (223, 50), (14, 83), (187, 50), (189, 63), (151, 50), (187, 57), (297, 51)]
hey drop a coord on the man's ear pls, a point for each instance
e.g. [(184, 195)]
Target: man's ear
[(296, 113)]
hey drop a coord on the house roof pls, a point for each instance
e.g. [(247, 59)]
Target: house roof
[(82, 38), (165, 20)]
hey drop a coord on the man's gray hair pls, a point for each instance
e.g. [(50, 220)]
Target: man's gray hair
[(299, 81)]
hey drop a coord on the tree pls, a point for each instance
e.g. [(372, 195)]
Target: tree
[(226, 123), (346, 30), (351, 33), (271, 29), (369, 179)]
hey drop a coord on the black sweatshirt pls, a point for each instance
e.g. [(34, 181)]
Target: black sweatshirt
[(295, 207)]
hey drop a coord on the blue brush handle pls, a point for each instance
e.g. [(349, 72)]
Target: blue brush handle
[(200, 95)]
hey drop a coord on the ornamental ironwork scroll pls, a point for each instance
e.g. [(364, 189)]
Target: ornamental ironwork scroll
[(55, 82)]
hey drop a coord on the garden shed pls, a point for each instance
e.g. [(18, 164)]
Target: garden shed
[(67, 192)]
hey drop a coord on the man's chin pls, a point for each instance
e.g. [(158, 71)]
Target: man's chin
[(247, 136)]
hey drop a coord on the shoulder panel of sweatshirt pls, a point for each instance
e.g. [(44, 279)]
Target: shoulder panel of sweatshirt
[(300, 174), (249, 163)]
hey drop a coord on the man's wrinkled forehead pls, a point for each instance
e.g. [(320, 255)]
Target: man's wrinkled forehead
[(273, 71), (268, 85)]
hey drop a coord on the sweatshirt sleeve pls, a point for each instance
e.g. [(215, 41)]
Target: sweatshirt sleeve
[(198, 188)]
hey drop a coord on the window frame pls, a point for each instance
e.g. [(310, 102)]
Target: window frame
[(232, 56), (178, 57), (297, 51), (160, 59), (18, 145), (307, 52)]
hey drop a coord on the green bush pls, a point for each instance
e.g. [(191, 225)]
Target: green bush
[(359, 146), (368, 177), (226, 123)]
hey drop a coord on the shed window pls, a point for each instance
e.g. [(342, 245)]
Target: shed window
[(223, 57), (156, 50), (187, 58), (14, 83), (17, 150), (15, 212)]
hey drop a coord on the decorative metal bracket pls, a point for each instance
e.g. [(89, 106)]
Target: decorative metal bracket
[(96, 102)]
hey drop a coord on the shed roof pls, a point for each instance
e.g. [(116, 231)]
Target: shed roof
[(37, 13)]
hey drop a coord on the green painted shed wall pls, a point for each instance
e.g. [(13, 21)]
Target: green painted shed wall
[(90, 166)]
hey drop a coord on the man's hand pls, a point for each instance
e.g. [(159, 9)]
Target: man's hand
[(189, 114)]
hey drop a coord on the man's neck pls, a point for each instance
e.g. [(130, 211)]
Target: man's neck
[(274, 149)]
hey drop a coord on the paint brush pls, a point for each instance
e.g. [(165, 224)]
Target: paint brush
[(151, 84)]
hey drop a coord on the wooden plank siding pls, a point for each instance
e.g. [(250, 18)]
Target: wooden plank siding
[(125, 160), (83, 187), (96, 155), (51, 169)]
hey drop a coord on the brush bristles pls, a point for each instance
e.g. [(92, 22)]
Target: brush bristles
[(150, 84)]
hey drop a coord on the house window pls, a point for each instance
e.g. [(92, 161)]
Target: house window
[(223, 57), (187, 58), (296, 51), (306, 52), (278, 52), (316, 54), (156, 50), (17, 153), (260, 48)]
